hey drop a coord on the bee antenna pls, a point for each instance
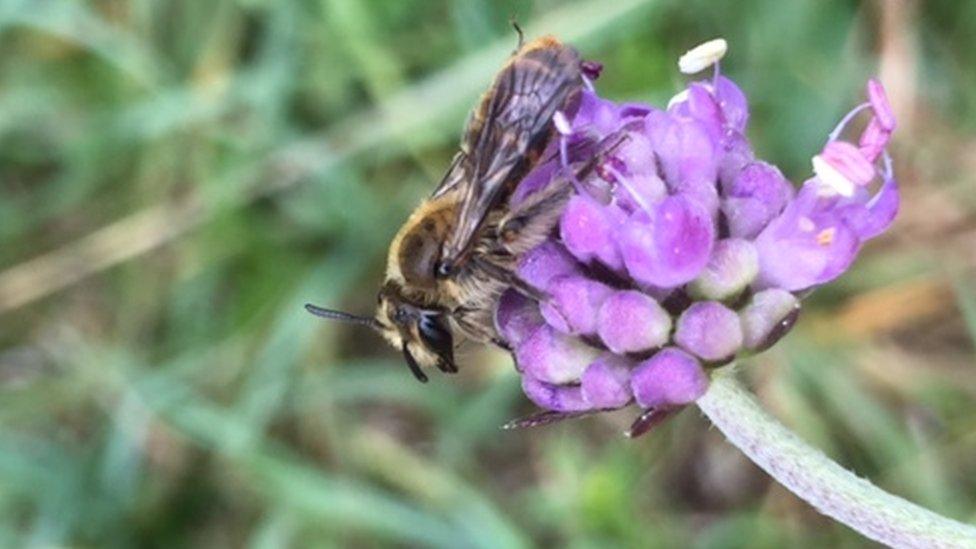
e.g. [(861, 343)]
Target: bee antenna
[(518, 30), (342, 316)]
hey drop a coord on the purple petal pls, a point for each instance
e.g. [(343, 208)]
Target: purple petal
[(670, 245), (606, 382), (596, 115), (668, 379), (871, 219), (768, 317), (709, 330), (733, 265), (545, 262), (516, 317), (757, 195), (808, 244), (550, 356), (701, 106), (635, 110), (630, 322), (685, 150), (588, 228), (573, 304), (736, 155), (733, 103), (637, 154), (558, 398)]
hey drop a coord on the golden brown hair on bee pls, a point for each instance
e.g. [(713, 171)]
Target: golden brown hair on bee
[(458, 251)]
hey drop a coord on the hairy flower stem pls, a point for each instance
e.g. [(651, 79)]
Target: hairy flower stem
[(815, 478)]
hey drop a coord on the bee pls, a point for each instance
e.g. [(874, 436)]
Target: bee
[(457, 252)]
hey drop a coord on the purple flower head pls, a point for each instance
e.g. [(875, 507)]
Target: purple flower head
[(678, 250)]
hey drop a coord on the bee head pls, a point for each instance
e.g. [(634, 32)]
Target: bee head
[(422, 334)]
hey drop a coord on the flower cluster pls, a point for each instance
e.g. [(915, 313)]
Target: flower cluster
[(679, 249)]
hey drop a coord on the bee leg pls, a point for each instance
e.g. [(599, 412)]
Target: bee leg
[(447, 367), (412, 364), (532, 222), (501, 343), (548, 417), (648, 420)]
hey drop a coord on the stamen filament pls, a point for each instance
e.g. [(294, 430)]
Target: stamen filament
[(844, 121), (621, 180)]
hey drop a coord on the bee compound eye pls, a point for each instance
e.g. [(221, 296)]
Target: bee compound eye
[(438, 338)]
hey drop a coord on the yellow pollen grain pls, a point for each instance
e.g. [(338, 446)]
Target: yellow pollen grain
[(826, 236)]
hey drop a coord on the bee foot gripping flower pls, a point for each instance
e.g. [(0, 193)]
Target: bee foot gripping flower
[(679, 250)]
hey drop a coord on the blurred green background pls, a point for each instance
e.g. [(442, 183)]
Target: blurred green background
[(178, 177)]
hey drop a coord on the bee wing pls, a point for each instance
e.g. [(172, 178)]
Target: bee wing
[(508, 132), (454, 176)]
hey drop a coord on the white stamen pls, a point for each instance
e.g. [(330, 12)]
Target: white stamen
[(562, 124), (588, 83), (625, 183), (833, 181), (702, 56), (678, 98)]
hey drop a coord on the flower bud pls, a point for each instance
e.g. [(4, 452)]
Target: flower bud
[(768, 317), (754, 197), (709, 330), (670, 378), (733, 265), (558, 398), (632, 322), (552, 357), (516, 317), (588, 228), (606, 382), (545, 262), (573, 304)]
